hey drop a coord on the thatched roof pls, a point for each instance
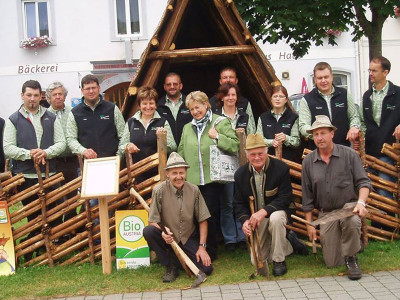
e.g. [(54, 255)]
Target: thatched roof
[(197, 39)]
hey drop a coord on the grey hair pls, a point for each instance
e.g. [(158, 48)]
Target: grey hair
[(52, 87)]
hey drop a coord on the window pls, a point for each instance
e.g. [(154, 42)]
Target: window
[(127, 17), (36, 18)]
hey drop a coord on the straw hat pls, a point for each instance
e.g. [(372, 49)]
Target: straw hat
[(321, 121), (255, 140), (176, 161)]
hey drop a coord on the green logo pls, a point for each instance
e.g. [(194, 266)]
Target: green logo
[(131, 228)]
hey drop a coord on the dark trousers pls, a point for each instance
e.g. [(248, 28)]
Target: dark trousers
[(69, 167), (166, 255), (212, 193)]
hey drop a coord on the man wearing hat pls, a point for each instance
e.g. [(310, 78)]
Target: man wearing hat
[(332, 177), (180, 207), (268, 181)]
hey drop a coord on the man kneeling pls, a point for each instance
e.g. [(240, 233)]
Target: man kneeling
[(333, 177), (268, 181), (180, 207)]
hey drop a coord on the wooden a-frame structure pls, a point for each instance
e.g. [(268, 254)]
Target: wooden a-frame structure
[(197, 39)]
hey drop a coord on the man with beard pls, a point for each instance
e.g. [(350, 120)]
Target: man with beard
[(172, 105), (181, 208)]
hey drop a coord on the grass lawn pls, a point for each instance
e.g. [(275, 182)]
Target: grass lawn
[(231, 267)]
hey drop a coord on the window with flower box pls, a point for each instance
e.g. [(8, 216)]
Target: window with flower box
[(36, 18)]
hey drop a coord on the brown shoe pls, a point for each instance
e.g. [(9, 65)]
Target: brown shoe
[(171, 273)]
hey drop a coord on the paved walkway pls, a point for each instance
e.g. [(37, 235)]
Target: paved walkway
[(381, 285)]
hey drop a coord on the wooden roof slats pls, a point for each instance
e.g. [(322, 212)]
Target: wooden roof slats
[(197, 38)]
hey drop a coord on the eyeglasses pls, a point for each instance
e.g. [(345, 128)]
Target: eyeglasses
[(278, 97), (87, 89)]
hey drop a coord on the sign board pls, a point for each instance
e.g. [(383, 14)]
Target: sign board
[(7, 256), (100, 177), (132, 249)]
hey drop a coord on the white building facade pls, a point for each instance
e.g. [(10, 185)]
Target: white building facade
[(107, 37)]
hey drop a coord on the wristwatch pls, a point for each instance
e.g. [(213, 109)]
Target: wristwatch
[(203, 245)]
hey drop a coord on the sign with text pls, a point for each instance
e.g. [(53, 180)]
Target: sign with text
[(132, 249), (7, 255), (100, 177)]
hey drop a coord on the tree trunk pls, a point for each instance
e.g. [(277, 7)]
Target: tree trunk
[(375, 42)]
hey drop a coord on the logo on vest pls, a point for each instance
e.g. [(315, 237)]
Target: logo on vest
[(390, 107), (136, 128), (268, 125), (185, 111), (103, 117), (153, 128), (318, 107), (339, 105), (286, 125), (242, 124)]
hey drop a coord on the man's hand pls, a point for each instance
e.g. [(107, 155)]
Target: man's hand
[(396, 132), (202, 255), (132, 148), (257, 217), (38, 156), (275, 143), (312, 233), (160, 129), (89, 154), (213, 133), (360, 210), (280, 137), (352, 134), (246, 228), (167, 236)]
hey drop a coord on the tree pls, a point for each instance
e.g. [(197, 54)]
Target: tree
[(303, 22)]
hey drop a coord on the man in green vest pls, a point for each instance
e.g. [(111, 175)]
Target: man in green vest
[(180, 207)]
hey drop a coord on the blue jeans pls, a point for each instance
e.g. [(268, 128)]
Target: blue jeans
[(230, 226)]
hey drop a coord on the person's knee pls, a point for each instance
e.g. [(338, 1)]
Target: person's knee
[(278, 218), (150, 232), (207, 270)]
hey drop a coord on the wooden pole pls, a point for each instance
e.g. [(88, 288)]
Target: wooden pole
[(105, 235), (162, 152), (241, 134)]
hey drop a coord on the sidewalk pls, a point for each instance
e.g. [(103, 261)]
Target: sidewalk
[(380, 285)]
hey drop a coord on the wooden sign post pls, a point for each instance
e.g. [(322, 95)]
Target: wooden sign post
[(101, 180)]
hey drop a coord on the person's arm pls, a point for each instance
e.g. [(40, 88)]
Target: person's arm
[(11, 150), (311, 231), (251, 123), (260, 131), (293, 140), (72, 136), (227, 139), (171, 144), (354, 120), (304, 118), (119, 125), (124, 140), (59, 141), (201, 254), (361, 202), (307, 197)]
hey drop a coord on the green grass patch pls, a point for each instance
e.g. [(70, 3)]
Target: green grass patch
[(231, 267)]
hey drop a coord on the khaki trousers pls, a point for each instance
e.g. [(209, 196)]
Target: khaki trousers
[(339, 239), (274, 245)]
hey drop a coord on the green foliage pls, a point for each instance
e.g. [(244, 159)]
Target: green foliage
[(302, 23), (230, 268)]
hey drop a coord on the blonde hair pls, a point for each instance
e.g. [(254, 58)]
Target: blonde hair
[(197, 96)]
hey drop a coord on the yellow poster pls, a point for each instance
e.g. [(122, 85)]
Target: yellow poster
[(7, 256), (132, 249)]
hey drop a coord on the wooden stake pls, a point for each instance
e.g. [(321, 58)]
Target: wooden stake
[(105, 235), (241, 134), (162, 152)]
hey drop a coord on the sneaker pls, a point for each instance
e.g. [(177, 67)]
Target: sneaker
[(279, 268), (171, 273), (298, 246), (353, 269)]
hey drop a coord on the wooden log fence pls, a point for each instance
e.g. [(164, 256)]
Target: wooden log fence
[(47, 240)]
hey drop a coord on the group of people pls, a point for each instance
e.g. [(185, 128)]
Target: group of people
[(188, 203)]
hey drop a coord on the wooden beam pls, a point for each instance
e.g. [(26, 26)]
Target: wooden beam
[(201, 52)]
